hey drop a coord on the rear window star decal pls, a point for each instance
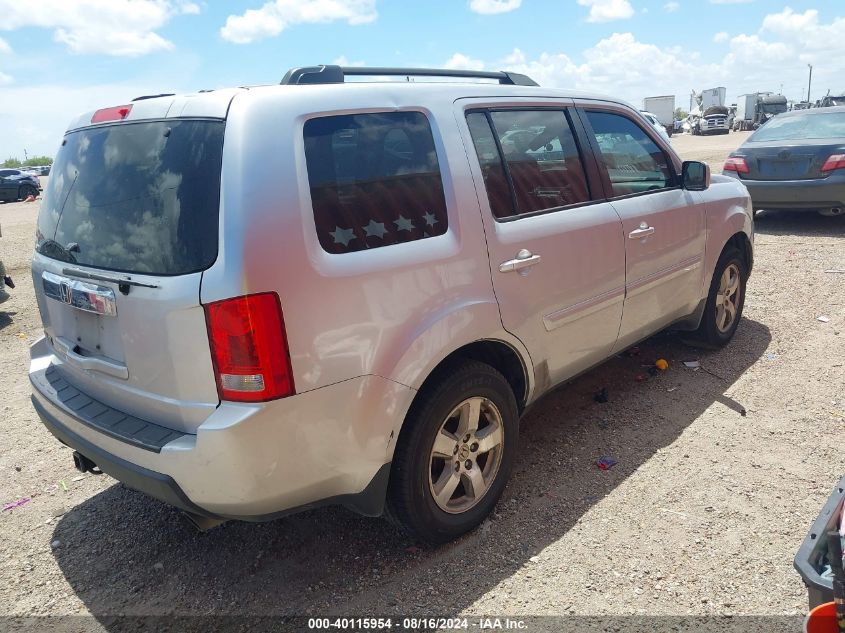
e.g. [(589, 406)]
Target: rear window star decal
[(403, 224), (342, 236), (430, 220), (375, 229)]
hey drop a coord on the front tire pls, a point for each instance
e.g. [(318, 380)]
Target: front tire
[(455, 453), (725, 300)]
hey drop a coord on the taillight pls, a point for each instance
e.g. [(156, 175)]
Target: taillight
[(837, 161), (249, 348), (737, 164), (116, 113)]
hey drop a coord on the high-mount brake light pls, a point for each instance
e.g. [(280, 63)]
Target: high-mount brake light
[(115, 113), (249, 348)]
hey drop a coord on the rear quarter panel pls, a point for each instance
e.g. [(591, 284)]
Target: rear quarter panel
[(394, 311)]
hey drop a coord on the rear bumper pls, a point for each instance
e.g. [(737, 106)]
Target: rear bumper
[(797, 195), (250, 462)]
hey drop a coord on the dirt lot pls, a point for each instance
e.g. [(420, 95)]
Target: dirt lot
[(702, 515)]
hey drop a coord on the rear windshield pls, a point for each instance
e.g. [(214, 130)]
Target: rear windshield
[(828, 125), (135, 197)]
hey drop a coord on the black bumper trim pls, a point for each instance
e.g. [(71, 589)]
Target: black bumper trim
[(101, 417), (150, 482), (819, 590)]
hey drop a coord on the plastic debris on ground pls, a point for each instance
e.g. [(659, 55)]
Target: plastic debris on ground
[(601, 396), (692, 364), (640, 377), (16, 504), (606, 463), (835, 270), (662, 364), (823, 319)]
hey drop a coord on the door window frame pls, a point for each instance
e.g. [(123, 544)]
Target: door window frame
[(582, 108), (592, 175)]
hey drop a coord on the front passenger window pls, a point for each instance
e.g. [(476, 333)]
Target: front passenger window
[(634, 162)]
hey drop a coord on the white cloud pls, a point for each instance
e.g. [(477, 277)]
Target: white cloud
[(621, 65), (110, 27), (4, 46), (721, 36), (671, 7), (459, 61), (803, 30), (5, 79), (608, 10), (274, 17), (730, 1), (490, 7)]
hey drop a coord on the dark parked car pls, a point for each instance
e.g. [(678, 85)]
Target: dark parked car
[(17, 185), (795, 162)]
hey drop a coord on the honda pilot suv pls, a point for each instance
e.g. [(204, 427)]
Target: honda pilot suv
[(261, 300)]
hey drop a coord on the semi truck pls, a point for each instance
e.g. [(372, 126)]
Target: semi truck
[(754, 109), (664, 109)]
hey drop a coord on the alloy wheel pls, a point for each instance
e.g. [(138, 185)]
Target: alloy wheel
[(728, 298), (466, 455)]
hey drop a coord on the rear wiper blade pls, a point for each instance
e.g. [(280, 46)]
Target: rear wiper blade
[(128, 281), (51, 248)]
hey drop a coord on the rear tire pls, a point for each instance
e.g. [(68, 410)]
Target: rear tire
[(725, 300), (455, 453)]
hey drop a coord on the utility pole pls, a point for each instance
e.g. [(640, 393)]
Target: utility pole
[(25, 157), (809, 82)]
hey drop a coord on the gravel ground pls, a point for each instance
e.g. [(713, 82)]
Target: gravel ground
[(702, 515)]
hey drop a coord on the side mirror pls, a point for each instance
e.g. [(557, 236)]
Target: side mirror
[(695, 176)]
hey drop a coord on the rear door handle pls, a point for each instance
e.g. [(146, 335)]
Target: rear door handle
[(524, 260), (644, 231)]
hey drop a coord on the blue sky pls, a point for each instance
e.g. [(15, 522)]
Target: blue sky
[(62, 57)]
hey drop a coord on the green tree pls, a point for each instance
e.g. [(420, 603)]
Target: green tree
[(681, 114), (38, 160), (29, 162)]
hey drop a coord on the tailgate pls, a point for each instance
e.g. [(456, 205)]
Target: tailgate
[(128, 223)]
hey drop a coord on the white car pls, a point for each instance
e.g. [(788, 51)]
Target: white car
[(657, 125)]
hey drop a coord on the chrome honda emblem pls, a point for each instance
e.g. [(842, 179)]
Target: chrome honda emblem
[(65, 293)]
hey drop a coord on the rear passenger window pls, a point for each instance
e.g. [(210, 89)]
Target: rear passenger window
[(374, 180), (634, 162), (539, 162)]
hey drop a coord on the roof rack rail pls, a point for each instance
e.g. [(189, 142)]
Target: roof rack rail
[(331, 74), (163, 94)]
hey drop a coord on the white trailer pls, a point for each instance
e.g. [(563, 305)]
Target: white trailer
[(700, 101), (663, 108), (746, 106)]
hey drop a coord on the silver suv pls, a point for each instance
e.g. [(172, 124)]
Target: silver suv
[(261, 300)]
